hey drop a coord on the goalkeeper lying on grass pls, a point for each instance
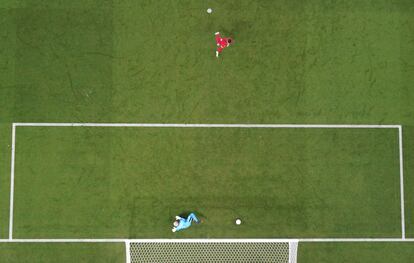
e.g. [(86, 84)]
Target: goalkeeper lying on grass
[(183, 223)]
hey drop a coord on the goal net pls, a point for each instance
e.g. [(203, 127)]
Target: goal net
[(211, 251)]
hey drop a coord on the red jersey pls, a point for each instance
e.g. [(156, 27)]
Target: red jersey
[(221, 42)]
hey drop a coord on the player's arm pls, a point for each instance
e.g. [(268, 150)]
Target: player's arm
[(218, 37)]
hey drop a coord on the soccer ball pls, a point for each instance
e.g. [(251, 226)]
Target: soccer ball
[(209, 10), (238, 221)]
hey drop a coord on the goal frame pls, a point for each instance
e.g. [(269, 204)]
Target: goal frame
[(292, 244)]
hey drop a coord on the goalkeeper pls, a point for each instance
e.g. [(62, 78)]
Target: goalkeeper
[(183, 223)]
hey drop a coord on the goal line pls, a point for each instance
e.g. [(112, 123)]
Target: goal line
[(206, 240)]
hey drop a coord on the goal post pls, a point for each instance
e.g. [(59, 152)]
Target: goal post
[(128, 251), (212, 250)]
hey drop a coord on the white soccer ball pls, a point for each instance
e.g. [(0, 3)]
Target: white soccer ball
[(238, 221), (209, 10)]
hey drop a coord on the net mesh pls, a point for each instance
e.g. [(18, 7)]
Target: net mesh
[(216, 252)]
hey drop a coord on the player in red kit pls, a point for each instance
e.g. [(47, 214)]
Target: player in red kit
[(222, 43)]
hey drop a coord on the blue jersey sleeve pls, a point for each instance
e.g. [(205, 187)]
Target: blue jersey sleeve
[(184, 223)]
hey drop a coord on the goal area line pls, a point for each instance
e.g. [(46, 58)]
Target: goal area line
[(200, 125)]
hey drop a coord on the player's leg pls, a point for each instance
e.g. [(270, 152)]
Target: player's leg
[(218, 51), (218, 37), (192, 217)]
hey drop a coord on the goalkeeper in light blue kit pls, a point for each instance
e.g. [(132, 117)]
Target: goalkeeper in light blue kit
[(183, 223)]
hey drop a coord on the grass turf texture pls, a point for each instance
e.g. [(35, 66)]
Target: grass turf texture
[(142, 61), (61, 252), (356, 252), (131, 182), (292, 62)]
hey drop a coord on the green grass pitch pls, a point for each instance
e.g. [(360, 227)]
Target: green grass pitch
[(131, 182), (292, 62)]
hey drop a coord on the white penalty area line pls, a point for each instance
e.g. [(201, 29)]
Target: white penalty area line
[(400, 142), (203, 125), (12, 182), (208, 240), (186, 125)]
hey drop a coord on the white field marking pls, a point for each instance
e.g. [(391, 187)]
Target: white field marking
[(12, 182), (207, 240), (356, 240), (402, 182), (64, 240), (189, 125), (183, 125), (127, 251)]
